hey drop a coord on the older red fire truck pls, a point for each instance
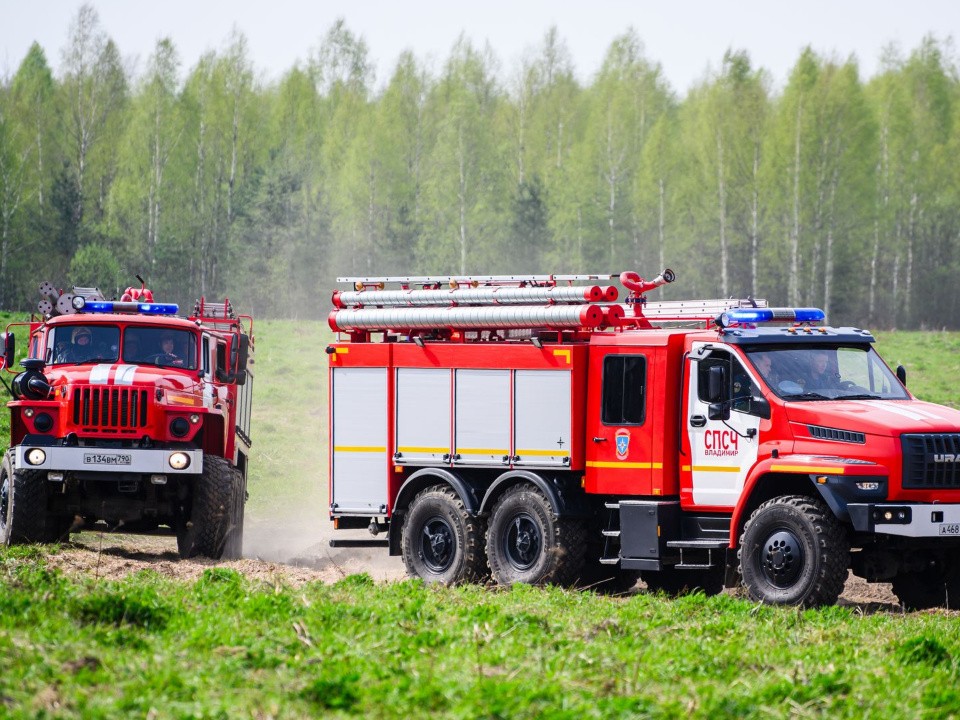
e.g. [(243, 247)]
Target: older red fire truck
[(534, 430), (128, 415)]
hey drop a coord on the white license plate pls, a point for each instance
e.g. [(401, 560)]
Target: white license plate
[(950, 529), (106, 459)]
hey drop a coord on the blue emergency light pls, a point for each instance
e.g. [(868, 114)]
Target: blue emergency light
[(758, 315), (110, 306)]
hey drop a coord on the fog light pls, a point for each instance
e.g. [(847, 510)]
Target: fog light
[(868, 486), (43, 422), (179, 461), (158, 479), (888, 515), (179, 427), (28, 412), (195, 418), (36, 456)]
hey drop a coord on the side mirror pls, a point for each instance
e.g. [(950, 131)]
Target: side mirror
[(902, 375), (9, 348), (243, 355), (718, 411), (716, 383), (760, 407)]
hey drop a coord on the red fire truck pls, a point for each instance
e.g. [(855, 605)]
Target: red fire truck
[(130, 416), (534, 430)]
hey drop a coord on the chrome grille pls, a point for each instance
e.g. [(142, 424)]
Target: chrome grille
[(931, 461), (106, 408)]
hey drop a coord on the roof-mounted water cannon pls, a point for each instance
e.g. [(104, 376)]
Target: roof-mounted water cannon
[(638, 286), (749, 316)]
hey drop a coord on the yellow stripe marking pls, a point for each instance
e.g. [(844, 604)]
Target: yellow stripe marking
[(359, 449), (417, 449), (543, 453), (338, 351), (625, 465), (562, 353), (716, 468), (807, 469)]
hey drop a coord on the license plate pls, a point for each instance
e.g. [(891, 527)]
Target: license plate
[(950, 529), (106, 459)]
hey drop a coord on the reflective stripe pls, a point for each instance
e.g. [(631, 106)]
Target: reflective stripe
[(807, 469), (100, 374), (125, 374), (625, 465)]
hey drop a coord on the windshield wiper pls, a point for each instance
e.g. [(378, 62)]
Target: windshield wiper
[(807, 396), (860, 396), (94, 360)]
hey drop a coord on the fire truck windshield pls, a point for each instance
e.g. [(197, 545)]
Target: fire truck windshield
[(160, 346), (826, 372), (75, 344)]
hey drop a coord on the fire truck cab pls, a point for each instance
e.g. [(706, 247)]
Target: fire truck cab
[(131, 417), (534, 430)]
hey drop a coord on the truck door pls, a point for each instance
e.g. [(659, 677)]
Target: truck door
[(720, 443), (620, 457)]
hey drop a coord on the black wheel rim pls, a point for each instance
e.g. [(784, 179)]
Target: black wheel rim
[(523, 541), (437, 545), (782, 559)]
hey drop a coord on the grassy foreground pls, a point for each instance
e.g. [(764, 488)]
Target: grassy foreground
[(226, 647)]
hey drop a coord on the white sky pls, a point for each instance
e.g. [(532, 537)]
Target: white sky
[(684, 36)]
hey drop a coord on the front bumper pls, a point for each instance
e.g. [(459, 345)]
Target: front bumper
[(915, 520), (108, 460)]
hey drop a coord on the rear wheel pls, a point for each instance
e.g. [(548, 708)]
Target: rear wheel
[(442, 542), (794, 552), (937, 585), (215, 528), (527, 542)]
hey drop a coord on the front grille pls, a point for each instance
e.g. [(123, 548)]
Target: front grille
[(107, 408), (931, 461), (826, 433)]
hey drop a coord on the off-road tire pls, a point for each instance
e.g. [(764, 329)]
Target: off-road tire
[(794, 551), (933, 587), (23, 506), (527, 542), (216, 520), (442, 543), (675, 582)]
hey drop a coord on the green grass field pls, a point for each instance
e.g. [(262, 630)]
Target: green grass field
[(225, 646)]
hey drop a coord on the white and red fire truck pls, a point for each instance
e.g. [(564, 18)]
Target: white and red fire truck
[(130, 416), (534, 430)]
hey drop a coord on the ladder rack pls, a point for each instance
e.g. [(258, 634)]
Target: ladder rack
[(472, 280)]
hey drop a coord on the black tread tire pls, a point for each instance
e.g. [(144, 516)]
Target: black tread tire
[(214, 522), (444, 510), (937, 586), (24, 500), (675, 582), (560, 557), (822, 541)]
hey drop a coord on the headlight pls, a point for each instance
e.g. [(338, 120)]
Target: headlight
[(43, 422), (179, 427), (195, 418), (28, 412), (179, 461), (36, 456)]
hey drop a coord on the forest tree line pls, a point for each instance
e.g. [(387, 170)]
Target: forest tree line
[(835, 191)]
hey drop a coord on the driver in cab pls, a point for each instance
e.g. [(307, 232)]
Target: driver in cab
[(168, 355), (80, 348)]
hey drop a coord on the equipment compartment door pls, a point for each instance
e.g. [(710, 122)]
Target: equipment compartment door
[(542, 417), (423, 415), (483, 415), (359, 430)]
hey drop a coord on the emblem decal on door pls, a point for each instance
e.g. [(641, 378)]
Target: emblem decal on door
[(623, 444)]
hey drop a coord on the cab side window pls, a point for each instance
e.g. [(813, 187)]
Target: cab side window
[(624, 390)]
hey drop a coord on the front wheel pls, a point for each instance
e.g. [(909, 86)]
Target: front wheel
[(527, 542), (794, 552), (215, 528), (23, 506), (442, 541)]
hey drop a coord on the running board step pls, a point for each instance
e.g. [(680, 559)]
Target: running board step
[(698, 544), (609, 561), (358, 542), (692, 566), (611, 533)]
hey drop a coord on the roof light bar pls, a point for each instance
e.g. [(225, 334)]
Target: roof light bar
[(757, 315), (111, 306)]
